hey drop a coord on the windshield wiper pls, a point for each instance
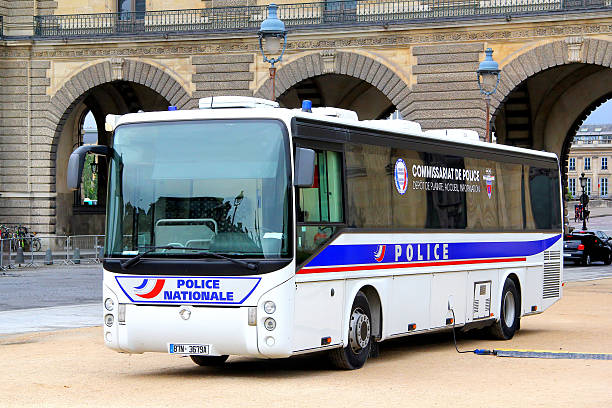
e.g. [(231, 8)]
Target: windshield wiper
[(132, 261)]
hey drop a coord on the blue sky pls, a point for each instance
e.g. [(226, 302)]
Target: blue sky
[(601, 115)]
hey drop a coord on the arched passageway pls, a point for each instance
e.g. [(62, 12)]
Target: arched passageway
[(340, 91), (118, 92), (546, 94), (341, 79)]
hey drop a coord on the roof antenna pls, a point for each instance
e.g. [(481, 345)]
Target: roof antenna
[(212, 97)]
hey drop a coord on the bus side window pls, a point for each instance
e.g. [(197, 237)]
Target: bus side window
[(320, 206), (323, 201)]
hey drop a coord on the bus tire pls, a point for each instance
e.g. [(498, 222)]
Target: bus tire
[(355, 354), (509, 314), (209, 361)]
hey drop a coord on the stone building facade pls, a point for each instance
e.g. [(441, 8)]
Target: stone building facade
[(61, 59), (591, 155)]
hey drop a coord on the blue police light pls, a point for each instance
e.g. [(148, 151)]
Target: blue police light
[(306, 106), (171, 108)]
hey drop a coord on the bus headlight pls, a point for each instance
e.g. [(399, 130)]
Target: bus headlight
[(109, 304), (109, 319), (269, 307), (270, 324)]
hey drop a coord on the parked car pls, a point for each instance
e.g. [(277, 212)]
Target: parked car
[(586, 247)]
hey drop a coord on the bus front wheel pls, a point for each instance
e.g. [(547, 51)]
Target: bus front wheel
[(510, 313), (207, 361), (355, 354)]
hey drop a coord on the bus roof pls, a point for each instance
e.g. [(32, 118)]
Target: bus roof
[(287, 115)]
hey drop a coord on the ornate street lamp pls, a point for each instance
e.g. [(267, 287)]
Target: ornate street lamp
[(271, 33), (584, 200), (94, 167), (488, 80)]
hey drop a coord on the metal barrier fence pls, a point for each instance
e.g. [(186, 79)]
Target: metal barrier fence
[(46, 250), (298, 15)]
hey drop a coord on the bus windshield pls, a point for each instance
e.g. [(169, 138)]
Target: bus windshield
[(217, 185)]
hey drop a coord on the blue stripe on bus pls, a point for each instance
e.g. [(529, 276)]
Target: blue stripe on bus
[(366, 253)]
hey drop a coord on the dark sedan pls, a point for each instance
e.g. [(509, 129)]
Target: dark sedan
[(586, 247)]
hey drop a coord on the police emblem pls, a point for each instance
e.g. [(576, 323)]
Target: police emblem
[(401, 176), (489, 178)]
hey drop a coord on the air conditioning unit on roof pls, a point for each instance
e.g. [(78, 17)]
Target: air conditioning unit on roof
[(226, 102)]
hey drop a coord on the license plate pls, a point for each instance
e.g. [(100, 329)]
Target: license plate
[(189, 349)]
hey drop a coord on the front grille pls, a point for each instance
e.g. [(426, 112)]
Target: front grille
[(552, 274)]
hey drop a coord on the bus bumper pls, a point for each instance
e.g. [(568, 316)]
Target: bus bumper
[(226, 330)]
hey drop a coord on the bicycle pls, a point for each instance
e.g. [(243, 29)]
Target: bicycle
[(25, 239)]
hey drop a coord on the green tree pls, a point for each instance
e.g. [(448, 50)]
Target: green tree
[(90, 179)]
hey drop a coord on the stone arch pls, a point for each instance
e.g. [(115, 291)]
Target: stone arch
[(377, 74), (573, 77), (59, 118), (117, 69), (541, 58)]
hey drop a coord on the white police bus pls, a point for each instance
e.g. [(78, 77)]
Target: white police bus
[(260, 231)]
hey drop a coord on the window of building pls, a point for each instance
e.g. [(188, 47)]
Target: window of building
[(604, 163), (587, 188), (130, 9), (587, 163), (571, 187), (572, 164), (603, 187)]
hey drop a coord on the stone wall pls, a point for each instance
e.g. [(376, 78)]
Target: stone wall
[(446, 93), (83, 6), (47, 7), (26, 170), (228, 74)]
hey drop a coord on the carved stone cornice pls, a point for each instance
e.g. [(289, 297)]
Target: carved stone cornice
[(318, 41)]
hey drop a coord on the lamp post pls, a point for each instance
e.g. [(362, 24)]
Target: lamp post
[(488, 80), (584, 200), (271, 33)]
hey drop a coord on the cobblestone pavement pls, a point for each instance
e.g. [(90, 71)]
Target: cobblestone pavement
[(29, 288)]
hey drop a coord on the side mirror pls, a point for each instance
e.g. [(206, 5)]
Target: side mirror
[(77, 160), (304, 167)]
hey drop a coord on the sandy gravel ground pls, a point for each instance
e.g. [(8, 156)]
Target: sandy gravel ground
[(72, 368)]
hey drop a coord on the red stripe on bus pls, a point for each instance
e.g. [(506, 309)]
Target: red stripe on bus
[(406, 265)]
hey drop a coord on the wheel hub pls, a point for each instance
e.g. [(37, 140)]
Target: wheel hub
[(509, 309), (360, 330)]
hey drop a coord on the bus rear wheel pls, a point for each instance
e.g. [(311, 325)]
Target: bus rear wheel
[(355, 354), (208, 361), (510, 313)]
